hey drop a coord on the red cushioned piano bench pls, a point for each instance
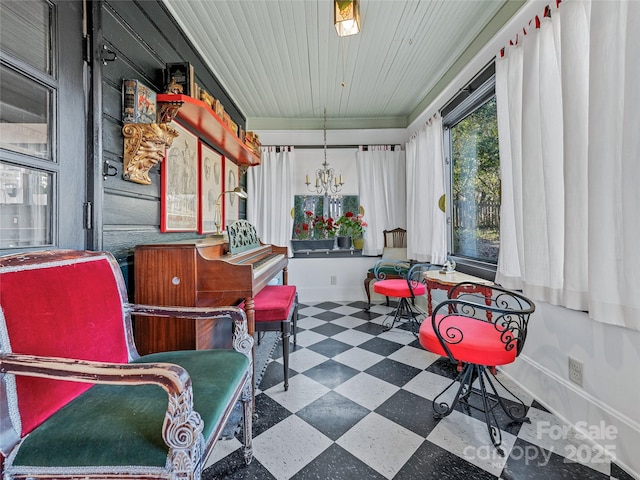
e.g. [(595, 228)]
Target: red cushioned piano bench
[(276, 309)]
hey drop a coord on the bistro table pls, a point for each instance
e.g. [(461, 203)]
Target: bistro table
[(437, 280)]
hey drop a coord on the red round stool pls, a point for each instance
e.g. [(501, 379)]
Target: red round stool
[(406, 290)]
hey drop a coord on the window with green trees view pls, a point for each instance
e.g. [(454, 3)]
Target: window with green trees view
[(472, 141)]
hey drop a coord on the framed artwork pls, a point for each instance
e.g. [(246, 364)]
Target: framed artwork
[(180, 183), (231, 202), (210, 187)]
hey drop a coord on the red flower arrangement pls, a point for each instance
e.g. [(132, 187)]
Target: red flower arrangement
[(318, 227), (351, 225)]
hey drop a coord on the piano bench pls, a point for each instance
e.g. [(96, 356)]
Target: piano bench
[(276, 310)]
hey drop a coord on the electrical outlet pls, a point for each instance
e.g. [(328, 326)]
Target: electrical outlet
[(334, 279), (575, 371)]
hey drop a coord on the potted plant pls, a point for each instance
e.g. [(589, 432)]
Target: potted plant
[(314, 233), (351, 225)]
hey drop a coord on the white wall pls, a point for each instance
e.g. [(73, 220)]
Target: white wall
[(611, 384), (312, 277), (610, 355), (342, 160)]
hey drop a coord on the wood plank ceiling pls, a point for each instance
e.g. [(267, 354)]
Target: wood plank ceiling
[(282, 61)]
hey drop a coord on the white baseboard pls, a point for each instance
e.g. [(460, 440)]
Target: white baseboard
[(334, 293), (578, 408)]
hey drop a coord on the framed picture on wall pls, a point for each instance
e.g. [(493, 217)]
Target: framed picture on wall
[(180, 183), (210, 188), (231, 202)]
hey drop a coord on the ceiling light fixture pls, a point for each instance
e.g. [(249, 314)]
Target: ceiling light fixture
[(346, 17), (326, 181)]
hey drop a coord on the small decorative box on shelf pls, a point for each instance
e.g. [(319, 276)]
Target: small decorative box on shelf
[(198, 115)]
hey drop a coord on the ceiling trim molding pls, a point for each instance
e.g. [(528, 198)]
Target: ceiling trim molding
[(260, 123)]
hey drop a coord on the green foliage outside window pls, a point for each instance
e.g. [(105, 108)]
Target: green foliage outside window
[(476, 184)]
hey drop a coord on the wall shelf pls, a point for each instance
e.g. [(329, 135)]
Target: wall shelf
[(198, 115)]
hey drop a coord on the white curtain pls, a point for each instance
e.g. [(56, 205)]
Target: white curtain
[(382, 190), (614, 163), (569, 147), (426, 233), (270, 199)]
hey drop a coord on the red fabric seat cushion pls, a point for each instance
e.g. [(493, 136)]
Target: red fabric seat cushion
[(273, 303), (480, 342), (71, 310), (398, 288)]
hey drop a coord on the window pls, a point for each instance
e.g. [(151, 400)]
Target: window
[(26, 96), (43, 147), (336, 206), (471, 145)]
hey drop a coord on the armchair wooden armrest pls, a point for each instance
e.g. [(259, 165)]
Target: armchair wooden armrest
[(242, 341), (172, 378)]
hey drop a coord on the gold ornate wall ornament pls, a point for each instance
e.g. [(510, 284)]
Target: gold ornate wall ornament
[(167, 111), (144, 147)]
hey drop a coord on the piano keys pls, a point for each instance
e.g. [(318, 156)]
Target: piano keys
[(199, 273)]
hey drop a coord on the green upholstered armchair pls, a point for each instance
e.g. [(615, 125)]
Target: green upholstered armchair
[(76, 399)]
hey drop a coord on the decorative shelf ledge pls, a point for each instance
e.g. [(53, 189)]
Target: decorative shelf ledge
[(198, 115)]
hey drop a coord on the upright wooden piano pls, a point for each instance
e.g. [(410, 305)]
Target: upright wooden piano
[(201, 273)]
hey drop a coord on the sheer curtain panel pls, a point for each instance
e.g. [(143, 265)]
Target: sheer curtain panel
[(426, 235), (381, 185), (568, 126), (270, 197)]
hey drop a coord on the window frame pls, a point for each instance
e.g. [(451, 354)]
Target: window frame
[(474, 95)]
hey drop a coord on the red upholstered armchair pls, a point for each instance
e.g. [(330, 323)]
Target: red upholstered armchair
[(478, 332), (76, 400)]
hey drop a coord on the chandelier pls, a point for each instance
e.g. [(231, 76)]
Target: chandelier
[(326, 181)]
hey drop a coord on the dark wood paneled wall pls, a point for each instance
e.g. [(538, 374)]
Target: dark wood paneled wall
[(144, 37)]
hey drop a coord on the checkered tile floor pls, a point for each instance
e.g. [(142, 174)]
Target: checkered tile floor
[(359, 407)]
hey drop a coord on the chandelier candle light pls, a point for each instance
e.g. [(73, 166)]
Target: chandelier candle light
[(326, 181)]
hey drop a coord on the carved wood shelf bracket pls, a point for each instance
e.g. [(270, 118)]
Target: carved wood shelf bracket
[(144, 147)]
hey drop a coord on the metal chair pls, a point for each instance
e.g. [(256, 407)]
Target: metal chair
[(407, 287), (479, 332), (395, 248)]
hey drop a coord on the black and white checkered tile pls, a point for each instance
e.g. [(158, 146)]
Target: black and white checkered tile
[(359, 407)]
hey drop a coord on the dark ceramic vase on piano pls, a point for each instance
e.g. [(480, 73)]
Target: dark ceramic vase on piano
[(201, 273)]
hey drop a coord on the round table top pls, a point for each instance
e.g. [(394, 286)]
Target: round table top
[(453, 278)]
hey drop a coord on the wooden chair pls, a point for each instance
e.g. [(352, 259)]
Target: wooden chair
[(395, 250), (76, 400)]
